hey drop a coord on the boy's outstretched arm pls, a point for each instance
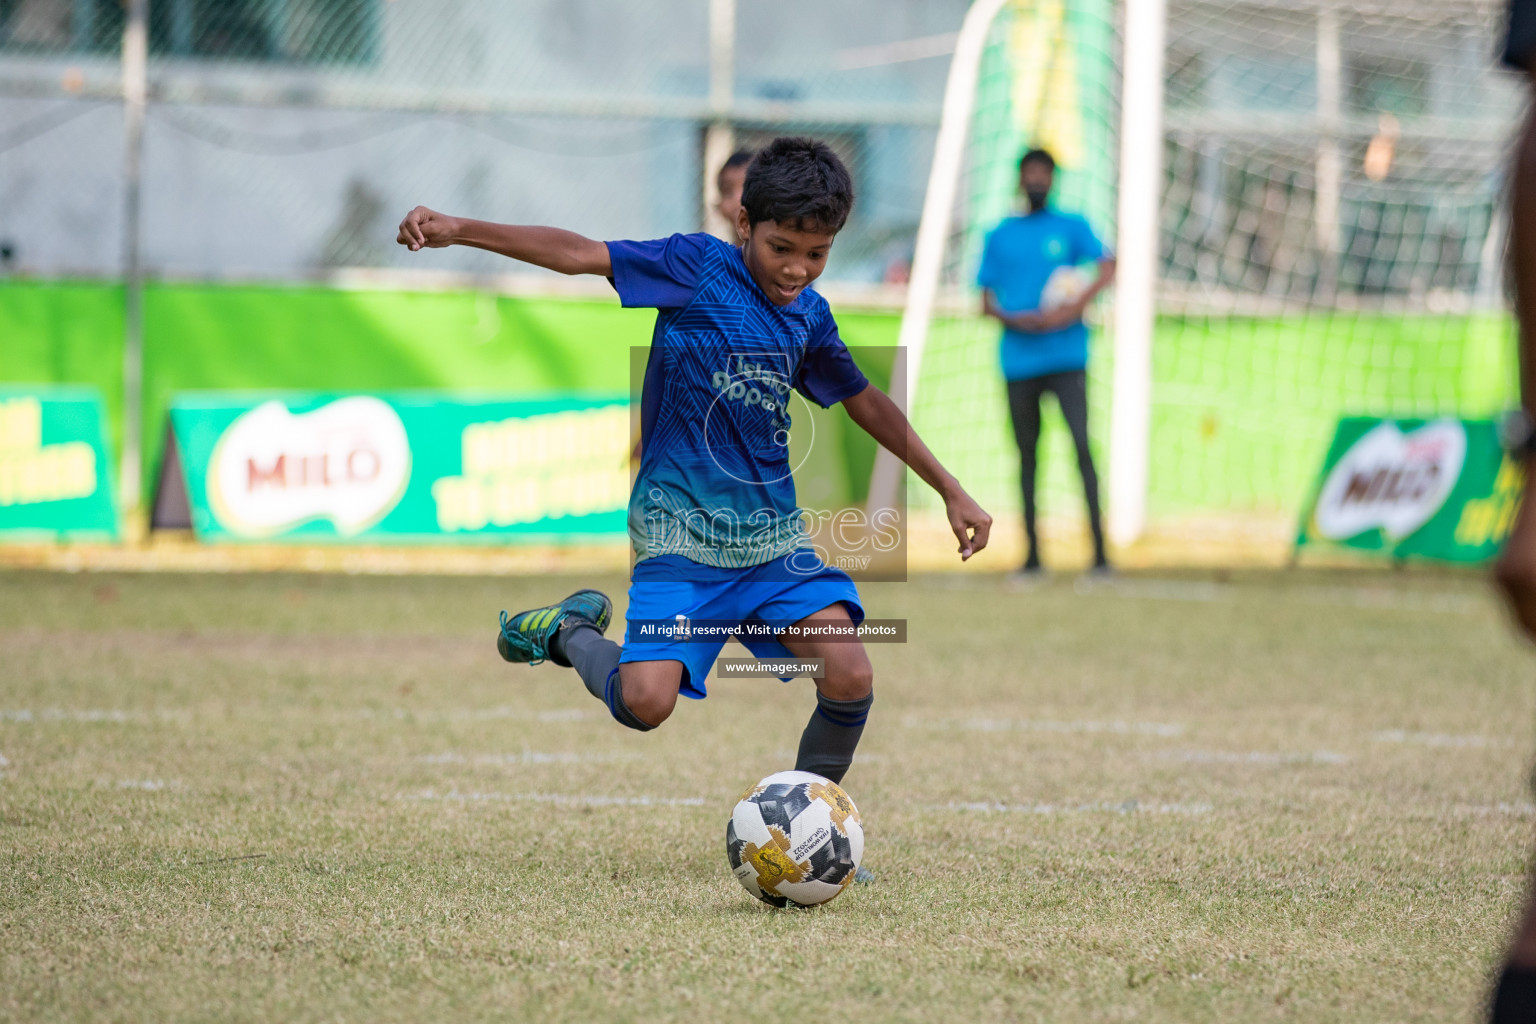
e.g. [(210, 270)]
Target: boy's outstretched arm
[(880, 418), (552, 248)]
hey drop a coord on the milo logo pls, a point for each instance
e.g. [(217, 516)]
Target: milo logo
[(1391, 480)]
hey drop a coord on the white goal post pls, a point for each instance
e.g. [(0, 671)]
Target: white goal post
[(1140, 170), (933, 229)]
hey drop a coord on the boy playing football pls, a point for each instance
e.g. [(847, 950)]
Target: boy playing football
[(717, 535)]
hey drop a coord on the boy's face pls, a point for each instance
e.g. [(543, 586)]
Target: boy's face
[(782, 260), (730, 181)]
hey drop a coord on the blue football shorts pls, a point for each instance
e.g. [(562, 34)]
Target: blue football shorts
[(670, 586)]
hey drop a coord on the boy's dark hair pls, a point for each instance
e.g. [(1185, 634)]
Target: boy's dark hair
[(800, 183), (1038, 156)]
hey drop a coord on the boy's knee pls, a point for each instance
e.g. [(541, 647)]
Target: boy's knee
[(853, 681), (650, 702)]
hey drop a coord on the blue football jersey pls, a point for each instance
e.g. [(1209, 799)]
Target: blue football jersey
[(1019, 258), (726, 368)]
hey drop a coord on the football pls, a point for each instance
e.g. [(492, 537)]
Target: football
[(1066, 284), (794, 839)]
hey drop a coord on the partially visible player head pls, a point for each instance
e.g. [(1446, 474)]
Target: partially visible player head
[(732, 175), (796, 198), (1037, 173)]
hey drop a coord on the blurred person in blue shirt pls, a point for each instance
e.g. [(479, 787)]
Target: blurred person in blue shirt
[(1032, 281)]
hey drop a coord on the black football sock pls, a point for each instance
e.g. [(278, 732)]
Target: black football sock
[(832, 735), (596, 659), (592, 655), (1514, 997)]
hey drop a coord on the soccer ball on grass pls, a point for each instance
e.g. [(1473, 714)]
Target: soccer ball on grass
[(794, 839)]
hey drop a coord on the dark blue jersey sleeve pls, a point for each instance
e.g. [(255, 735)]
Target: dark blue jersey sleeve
[(659, 274), (827, 373)]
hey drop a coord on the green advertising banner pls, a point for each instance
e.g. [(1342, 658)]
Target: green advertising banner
[(407, 467), (55, 480), (1440, 489)]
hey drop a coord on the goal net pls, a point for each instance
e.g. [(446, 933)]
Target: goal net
[(1331, 242)]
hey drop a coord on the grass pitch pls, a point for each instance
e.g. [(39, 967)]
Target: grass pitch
[(1178, 798)]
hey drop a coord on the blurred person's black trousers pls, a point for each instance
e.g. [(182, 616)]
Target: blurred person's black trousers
[(1071, 391)]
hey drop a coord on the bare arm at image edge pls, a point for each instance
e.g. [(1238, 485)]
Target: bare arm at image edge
[(1516, 568), (564, 252)]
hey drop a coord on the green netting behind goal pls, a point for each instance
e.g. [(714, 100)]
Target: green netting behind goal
[(1331, 243)]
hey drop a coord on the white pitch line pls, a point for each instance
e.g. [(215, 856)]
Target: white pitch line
[(1404, 600), (1045, 725), (1521, 809), (858, 758), (1209, 592), (530, 757), (472, 714), (576, 800), (1250, 757), (1097, 807), (1437, 739), (65, 715), (1156, 590), (113, 716)]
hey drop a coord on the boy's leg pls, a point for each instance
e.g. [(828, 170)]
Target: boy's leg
[(843, 699), (571, 634), (648, 690), (1072, 394), (1024, 410), (640, 695)]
